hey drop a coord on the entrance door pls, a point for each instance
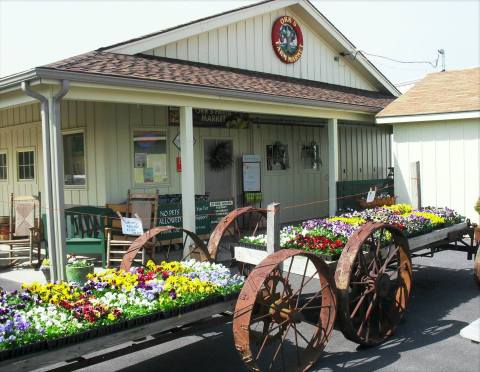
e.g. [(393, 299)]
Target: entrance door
[(218, 162)]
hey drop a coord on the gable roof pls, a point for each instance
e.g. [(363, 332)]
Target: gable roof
[(306, 8), (220, 80), (439, 93)]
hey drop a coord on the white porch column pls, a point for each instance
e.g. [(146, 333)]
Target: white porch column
[(332, 165), (57, 180), (188, 174)]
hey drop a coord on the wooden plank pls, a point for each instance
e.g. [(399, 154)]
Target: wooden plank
[(434, 236), (45, 357)]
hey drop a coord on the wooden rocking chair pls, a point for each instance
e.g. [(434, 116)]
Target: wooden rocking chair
[(24, 228), (143, 206)]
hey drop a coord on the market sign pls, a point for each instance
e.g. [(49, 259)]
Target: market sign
[(287, 39), (211, 118)]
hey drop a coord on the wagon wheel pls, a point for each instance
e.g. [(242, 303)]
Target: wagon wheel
[(285, 312), (374, 281), (229, 231), (199, 250)]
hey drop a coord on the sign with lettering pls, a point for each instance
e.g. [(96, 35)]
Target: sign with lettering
[(287, 39), (132, 226), (170, 214), (219, 209), (211, 118)]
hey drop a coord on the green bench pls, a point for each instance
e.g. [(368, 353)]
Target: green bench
[(85, 230)]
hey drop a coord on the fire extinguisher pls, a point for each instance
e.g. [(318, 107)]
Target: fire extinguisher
[(179, 164)]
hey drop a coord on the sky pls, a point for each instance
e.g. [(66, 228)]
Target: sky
[(33, 33)]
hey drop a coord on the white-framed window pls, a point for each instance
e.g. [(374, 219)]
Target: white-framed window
[(3, 166), (26, 165), (150, 157), (74, 159)]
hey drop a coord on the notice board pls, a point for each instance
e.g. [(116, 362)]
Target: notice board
[(251, 173)]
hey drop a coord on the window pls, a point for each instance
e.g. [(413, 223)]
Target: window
[(277, 156), (3, 166), (26, 165), (74, 159), (310, 155), (150, 157)]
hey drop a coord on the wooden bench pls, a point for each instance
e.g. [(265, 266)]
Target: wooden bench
[(86, 230)]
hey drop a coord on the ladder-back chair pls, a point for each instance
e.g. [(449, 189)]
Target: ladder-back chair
[(143, 206), (24, 228)]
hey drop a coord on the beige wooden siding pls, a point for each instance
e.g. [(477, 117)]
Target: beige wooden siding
[(247, 45), (365, 152), (449, 155), (20, 128)]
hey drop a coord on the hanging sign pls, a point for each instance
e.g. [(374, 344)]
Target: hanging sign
[(287, 39), (371, 196), (132, 226)]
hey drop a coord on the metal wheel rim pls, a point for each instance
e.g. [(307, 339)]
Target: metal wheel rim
[(379, 306), (244, 315)]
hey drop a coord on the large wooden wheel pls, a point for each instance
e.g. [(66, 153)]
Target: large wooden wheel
[(374, 281), (285, 312), (240, 222), (199, 251)]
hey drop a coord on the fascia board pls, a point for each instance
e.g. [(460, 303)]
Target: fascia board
[(428, 117)]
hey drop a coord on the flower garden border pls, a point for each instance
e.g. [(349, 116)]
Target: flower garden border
[(44, 353)]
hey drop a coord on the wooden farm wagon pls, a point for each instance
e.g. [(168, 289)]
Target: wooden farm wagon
[(291, 300)]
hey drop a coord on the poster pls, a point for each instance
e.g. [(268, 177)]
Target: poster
[(140, 160), (158, 163), (147, 175), (138, 174), (251, 177)]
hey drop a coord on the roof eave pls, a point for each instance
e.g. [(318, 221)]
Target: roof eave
[(83, 77), (437, 116)]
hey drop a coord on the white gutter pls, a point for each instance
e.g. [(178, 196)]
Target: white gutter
[(428, 117)]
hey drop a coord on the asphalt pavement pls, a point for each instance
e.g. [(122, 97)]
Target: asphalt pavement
[(445, 299)]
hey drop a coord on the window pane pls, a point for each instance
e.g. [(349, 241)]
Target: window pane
[(3, 166), (74, 159), (150, 157), (277, 156), (26, 165)]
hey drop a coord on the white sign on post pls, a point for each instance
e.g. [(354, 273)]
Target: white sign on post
[(371, 196), (132, 226)]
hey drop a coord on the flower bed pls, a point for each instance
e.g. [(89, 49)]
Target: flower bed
[(327, 236), (44, 316)]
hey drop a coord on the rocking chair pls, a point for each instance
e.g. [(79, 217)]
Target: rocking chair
[(24, 228), (143, 206)]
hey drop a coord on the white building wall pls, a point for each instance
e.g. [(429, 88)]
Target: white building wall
[(247, 45), (449, 155)]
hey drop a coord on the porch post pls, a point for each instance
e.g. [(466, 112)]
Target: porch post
[(332, 165), (57, 180), (188, 174)]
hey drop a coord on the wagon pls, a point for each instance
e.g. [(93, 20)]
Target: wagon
[(291, 300)]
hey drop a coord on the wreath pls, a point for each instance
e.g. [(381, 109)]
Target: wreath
[(220, 157)]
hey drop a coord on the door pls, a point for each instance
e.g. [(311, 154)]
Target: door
[(218, 163)]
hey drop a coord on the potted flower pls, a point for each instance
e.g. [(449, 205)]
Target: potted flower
[(45, 269), (78, 269)]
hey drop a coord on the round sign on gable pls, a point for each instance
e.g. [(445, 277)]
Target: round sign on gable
[(287, 39)]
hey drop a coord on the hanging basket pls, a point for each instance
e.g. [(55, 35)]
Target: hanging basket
[(220, 157)]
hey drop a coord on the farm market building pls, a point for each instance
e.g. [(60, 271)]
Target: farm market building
[(436, 141), (161, 112)]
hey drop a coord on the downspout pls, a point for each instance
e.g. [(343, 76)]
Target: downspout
[(54, 235)]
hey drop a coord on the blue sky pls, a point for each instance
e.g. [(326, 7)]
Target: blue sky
[(33, 33)]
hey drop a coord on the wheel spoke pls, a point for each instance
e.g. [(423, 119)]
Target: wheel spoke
[(359, 303), (312, 298), (278, 348)]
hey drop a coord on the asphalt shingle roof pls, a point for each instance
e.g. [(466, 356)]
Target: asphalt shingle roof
[(440, 92), (197, 74)]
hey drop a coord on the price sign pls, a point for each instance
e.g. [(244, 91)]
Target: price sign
[(371, 196)]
